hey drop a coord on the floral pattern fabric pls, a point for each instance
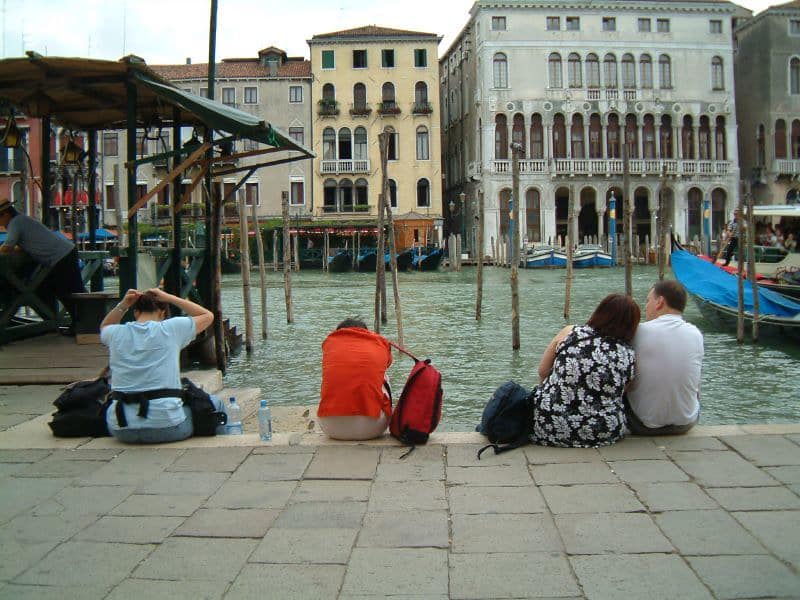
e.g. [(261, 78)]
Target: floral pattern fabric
[(580, 405)]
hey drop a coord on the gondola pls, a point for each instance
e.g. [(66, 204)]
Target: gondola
[(341, 262), (404, 259), (785, 289), (428, 261), (367, 260)]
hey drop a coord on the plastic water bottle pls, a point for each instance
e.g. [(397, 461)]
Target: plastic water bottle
[(234, 426), (264, 422)]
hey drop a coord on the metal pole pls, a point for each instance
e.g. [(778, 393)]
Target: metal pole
[(516, 151), (45, 167), (133, 222), (176, 268)]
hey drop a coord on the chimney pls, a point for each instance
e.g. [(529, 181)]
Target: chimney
[(188, 60)]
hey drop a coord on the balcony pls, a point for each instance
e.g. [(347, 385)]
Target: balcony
[(327, 107), (336, 167), (388, 107), (787, 167), (422, 108), (12, 165), (614, 166), (339, 208), (360, 110), (593, 94)]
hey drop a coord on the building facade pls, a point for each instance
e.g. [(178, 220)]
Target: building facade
[(273, 86), (18, 176), (768, 102), (570, 81), (365, 81)]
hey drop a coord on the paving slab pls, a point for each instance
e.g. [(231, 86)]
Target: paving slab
[(633, 448), (272, 467), (204, 559), (184, 483), (287, 582), (465, 455), (778, 530), (136, 589), (499, 475), (35, 433), (19, 495), (543, 455), (651, 576), (60, 592), (7, 421), (55, 466), (768, 498), (311, 515), (504, 533), (707, 533), (23, 455), (344, 462), (133, 467), (482, 500), (57, 528), (405, 529), (228, 523), (385, 571), (217, 460), (130, 530), (164, 505), (678, 443), (765, 450), (599, 498), (60, 567), (638, 471), (420, 455), (407, 496), (331, 491), (659, 497), (618, 533), (420, 471), (785, 474), (252, 494), (324, 545), (746, 576), (591, 472), (8, 469), (17, 556), (518, 575), (722, 469)]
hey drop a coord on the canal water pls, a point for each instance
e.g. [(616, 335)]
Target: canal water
[(741, 384)]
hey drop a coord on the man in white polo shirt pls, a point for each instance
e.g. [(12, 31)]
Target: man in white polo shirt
[(664, 397)]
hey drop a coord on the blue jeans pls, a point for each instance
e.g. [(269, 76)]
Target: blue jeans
[(157, 435)]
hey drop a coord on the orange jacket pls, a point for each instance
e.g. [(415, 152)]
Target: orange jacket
[(354, 363)]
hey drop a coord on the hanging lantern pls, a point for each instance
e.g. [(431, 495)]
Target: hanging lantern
[(12, 136)]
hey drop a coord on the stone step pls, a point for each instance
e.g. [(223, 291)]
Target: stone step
[(248, 400), (209, 380)]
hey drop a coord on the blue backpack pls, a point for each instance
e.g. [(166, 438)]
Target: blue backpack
[(507, 418)]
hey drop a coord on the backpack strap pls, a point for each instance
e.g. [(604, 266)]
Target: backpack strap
[(142, 399), (498, 449), (403, 350)]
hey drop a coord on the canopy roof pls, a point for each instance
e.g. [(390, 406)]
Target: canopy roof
[(82, 93)]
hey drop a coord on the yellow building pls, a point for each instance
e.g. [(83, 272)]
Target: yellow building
[(365, 81)]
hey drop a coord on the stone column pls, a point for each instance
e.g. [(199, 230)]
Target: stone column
[(678, 135), (569, 140), (696, 141), (658, 141), (604, 140), (653, 228), (586, 141)]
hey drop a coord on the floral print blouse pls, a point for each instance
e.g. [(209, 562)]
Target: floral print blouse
[(580, 405)]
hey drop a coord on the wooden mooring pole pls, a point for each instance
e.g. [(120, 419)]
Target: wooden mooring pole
[(740, 271), (287, 258), (627, 223), (570, 245), (398, 311), (244, 251), (751, 258), (275, 250), (380, 265), (479, 255), (514, 229), (262, 272)]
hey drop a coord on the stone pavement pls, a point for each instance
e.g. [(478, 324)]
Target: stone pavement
[(701, 516)]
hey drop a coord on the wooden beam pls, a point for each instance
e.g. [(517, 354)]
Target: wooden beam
[(188, 192), (230, 170), (170, 176), (247, 154)]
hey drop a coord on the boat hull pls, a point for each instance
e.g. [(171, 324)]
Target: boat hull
[(341, 262), (789, 263), (591, 258), (429, 261), (551, 259), (404, 260), (783, 328), (367, 262)]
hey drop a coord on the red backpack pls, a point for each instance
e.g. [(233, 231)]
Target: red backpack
[(419, 408)]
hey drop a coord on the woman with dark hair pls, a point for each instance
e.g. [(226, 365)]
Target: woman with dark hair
[(583, 374), (144, 356)]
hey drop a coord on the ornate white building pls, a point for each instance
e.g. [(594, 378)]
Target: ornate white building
[(565, 79)]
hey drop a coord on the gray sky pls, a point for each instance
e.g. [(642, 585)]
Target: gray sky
[(169, 31)]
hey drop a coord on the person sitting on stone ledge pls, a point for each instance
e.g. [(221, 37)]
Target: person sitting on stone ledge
[(355, 400), (664, 397)]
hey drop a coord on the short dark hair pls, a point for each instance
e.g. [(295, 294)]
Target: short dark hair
[(148, 302), (10, 210), (352, 322), (616, 316), (673, 293)]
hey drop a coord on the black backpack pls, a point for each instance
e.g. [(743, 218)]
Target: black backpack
[(205, 415), (506, 418), (81, 409)]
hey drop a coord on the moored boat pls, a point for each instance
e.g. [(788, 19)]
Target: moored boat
[(404, 259), (429, 260), (367, 260), (590, 255), (545, 256), (340, 262)]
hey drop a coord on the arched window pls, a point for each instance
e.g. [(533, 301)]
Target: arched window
[(423, 193), (794, 76), (595, 135), (592, 71), (345, 144), (346, 195), (533, 216), (666, 146), (694, 213), (360, 96), (780, 138), (500, 70), (612, 136), (500, 137), (329, 196), (687, 138), (537, 137), (574, 71), (717, 74), (577, 136), (360, 143), (703, 139), (646, 71), (361, 196), (628, 71), (329, 144), (328, 92), (423, 150), (518, 130), (387, 95), (719, 140), (421, 94), (610, 71), (796, 139), (393, 193), (559, 137), (554, 70), (664, 72), (649, 136), (631, 136)]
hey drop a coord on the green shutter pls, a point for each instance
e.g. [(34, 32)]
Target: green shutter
[(421, 57), (327, 59)]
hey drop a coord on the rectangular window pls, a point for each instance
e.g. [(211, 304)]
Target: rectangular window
[(387, 59), (229, 96), (420, 57), (794, 26), (609, 24), (715, 26), (111, 196), (328, 61), (498, 23), (110, 143), (141, 144), (295, 93), (297, 134), (553, 23), (645, 25), (251, 194), (204, 92), (394, 146), (297, 195), (251, 95), (359, 59), (573, 23), (662, 25)]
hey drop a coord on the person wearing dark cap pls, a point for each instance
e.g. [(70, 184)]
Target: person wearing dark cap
[(733, 238), (47, 248)]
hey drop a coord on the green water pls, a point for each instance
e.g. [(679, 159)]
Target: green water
[(747, 384)]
